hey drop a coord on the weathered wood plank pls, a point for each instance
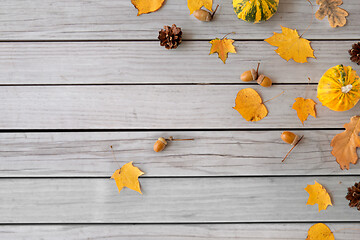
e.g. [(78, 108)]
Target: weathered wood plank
[(296, 231), (153, 107), (171, 200), (145, 62), (215, 153), (113, 19)]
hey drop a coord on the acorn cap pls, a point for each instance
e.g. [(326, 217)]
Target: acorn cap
[(163, 140)]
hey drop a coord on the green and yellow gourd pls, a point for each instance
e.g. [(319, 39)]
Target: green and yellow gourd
[(339, 88), (255, 11)]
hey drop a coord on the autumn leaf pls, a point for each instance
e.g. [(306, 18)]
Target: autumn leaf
[(128, 176), (250, 105), (329, 8), (319, 195), (320, 231), (222, 47), (304, 108), (344, 144), (291, 45), (194, 5), (147, 6)]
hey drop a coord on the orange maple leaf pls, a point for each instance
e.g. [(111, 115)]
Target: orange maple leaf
[(127, 176), (304, 108), (320, 231), (222, 47), (344, 144), (319, 195), (250, 105)]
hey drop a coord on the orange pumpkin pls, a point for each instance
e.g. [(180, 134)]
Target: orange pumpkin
[(339, 88)]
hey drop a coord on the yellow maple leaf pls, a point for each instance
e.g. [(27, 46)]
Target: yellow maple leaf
[(319, 195), (147, 6), (344, 144), (194, 5), (291, 45), (304, 108), (250, 105), (222, 47), (127, 176), (320, 231)]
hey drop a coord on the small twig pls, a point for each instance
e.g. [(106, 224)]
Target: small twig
[(172, 139), (292, 148), (312, 18), (214, 11), (228, 34), (112, 150), (274, 97), (257, 69)]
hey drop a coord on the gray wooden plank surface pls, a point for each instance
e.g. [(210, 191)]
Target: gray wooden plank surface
[(154, 107), (215, 153), (113, 19), (296, 231), (171, 200), (147, 62)]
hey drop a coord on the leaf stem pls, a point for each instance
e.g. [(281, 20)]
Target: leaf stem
[(173, 139), (112, 150), (228, 34), (274, 97), (312, 18), (292, 148)]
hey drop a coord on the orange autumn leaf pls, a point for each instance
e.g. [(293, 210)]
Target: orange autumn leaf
[(194, 5), (222, 47), (147, 6), (127, 176), (336, 16), (291, 45), (319, 195), (344, 144), (250, 105), (320, 231), (304, 108)]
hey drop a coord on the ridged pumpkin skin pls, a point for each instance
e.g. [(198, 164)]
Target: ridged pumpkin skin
[(339, 88), (255, 11)]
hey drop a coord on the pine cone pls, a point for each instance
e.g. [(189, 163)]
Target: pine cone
[(355, 53), (353, 196), (170, 37)]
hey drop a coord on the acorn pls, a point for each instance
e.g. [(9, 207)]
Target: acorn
[(264, 81), (248, 76), (160, 144), (204, 15), (290, 137)]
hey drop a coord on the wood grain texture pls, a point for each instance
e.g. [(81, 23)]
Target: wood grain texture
[(147, 62), (215, 153), (171, 200), (113, 19), (298, 231), (154, 107)]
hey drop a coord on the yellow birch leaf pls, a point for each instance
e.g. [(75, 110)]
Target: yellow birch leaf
[(127, 176), (336, 16), (222, 47), (320, 231), (344, 144), (319, 195), (194, 5), (291, 45), (250, 105), (304, 108), (147, 6)]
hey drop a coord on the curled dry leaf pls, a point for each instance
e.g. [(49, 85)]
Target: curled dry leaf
[(329, 8), (320, 231), (291, 45), (304, 108), (147, 6), (319, 195), (250, 105), (344, 144), (222, 47), (127, 176), (194, 5)]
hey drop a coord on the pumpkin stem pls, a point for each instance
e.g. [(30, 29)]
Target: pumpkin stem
[(346, 88)]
